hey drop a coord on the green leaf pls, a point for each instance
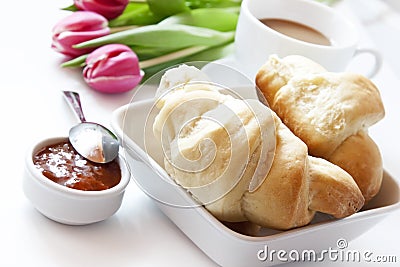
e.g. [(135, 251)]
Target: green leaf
[(212, 18), (213, 53), (209, 54), (177, 55), (135, 14), (145, 52), (168, 36), (70, 8), (193, 4), (165, 8), (328, 2)]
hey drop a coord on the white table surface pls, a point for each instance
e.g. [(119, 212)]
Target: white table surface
[(32, 107)]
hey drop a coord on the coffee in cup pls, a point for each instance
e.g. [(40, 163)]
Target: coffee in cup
[(301, 27), (297, 30)]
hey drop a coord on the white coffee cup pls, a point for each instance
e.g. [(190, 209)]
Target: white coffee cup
[(255, 42)]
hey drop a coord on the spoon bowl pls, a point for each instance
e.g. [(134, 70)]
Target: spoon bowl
[(91, 140)]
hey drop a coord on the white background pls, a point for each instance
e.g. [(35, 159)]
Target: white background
[(32, 107)]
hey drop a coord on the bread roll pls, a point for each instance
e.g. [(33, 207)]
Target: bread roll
[(217, 150), (327, 111)]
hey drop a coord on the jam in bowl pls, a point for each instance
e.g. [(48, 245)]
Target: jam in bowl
[(69, 189), (61, 163)]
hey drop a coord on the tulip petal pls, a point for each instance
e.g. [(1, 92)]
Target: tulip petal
[(112, 68), (80, 21), (119, 84), (107, 8), (78, 27)]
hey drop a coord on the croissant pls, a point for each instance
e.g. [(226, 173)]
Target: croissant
[(217, 146), (330, 112)]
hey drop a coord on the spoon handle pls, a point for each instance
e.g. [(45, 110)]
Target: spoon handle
[(74, 102)]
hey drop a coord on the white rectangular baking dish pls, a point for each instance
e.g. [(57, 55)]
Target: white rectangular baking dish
[(133, 126)]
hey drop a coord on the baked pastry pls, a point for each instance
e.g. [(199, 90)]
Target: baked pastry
[(216, 146), (330, 112)]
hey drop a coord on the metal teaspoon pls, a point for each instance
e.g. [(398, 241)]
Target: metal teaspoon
[(91, 140)]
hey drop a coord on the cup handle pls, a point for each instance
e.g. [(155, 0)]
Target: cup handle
[(377, 60)]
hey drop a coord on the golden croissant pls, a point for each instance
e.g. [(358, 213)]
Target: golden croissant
[(216, 146), (330, 112)]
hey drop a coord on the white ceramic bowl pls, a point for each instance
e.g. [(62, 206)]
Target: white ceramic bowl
[(67, 205), (225, 246)]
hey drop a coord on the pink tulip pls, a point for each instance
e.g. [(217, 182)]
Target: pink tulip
[(108, 8), (78, 27), (112, 68)]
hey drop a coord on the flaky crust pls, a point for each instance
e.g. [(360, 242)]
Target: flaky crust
[(277, 72), (330, 112), (325, 109), (360, 156), (298, 185), (282, 200), (332, 190)]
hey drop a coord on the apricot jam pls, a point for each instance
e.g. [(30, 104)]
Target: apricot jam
[(62, 164)]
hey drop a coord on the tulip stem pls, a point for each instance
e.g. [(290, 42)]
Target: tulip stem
[(171, 56), (76, 62), (123, 28)]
